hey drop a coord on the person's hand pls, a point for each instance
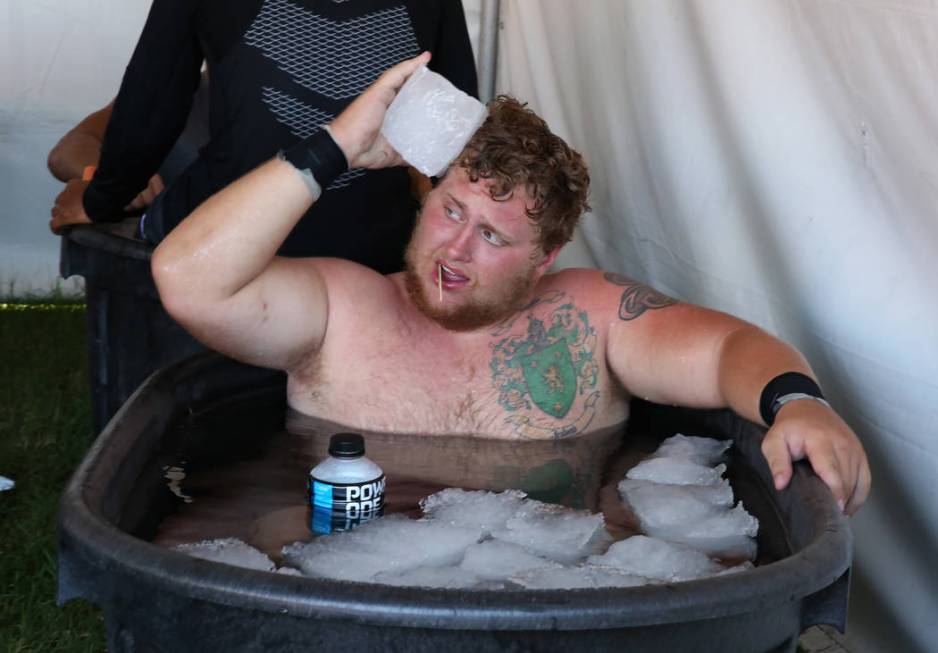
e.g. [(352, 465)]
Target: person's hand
[(356, 130), (809, 429), (68, 209), (147, 195)]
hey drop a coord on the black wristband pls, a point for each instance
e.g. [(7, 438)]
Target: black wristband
[(782, 385), (318, 155)]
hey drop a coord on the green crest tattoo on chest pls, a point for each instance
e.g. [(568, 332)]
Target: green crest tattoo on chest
[(539, 374)]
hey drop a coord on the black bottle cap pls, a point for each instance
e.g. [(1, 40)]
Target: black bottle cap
[(347, 445)]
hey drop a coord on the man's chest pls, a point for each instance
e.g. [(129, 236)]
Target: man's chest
[(529, 380)]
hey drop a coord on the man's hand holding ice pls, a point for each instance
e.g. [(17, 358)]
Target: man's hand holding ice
[(357, 129)]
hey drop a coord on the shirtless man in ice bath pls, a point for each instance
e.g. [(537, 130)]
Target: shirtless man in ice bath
[(476, 337)]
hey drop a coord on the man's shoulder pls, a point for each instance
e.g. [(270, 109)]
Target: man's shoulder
[(570, 292), (354, 291), (344, 275), (573, 277), (599, 291), (587, 282), (590, 277)]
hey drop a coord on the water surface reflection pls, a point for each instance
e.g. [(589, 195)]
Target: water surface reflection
[(258, 494)]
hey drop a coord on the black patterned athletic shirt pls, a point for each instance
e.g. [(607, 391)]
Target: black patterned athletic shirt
[(278, 70)]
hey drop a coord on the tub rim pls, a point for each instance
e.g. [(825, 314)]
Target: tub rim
[(109, 237), (85, 533)]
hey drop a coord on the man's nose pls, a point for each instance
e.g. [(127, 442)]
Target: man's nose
[(459, 246)]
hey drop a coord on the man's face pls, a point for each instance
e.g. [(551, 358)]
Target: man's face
[(485, 253)]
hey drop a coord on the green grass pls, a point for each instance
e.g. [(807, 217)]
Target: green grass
[(45, 428), (58, 293)]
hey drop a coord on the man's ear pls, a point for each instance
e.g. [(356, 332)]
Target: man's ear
[(547, 261)]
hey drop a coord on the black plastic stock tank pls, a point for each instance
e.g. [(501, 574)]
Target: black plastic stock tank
[(129, 334), (157, 599)]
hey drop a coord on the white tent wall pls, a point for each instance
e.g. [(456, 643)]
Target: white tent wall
[(777, 160), (59, 60)]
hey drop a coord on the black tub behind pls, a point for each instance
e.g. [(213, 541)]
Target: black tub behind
[(160, 600), (130, 336)]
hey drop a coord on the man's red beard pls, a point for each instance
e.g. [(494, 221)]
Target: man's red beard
[(471, 315)]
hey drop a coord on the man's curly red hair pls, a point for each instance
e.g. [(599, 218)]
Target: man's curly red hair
[(514, 148)]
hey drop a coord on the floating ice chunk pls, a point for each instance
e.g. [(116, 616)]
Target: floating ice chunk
[(577, 577), (496, 560), (430, 121), (230, 551), (176, 474), (555, 532), (694, 515), (441, 577), (743, 566), (721, 533), (393, 544), (676, 471), (479, 509), (656, 559), (735, 521), (703, 451), (6, 483), (289, 571), (646, 498), (542, 529)]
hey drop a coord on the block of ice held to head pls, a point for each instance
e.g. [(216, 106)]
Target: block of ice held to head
[(430, 121)]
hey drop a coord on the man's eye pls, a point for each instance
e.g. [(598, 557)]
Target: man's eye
[(492, 237), (451, 213)]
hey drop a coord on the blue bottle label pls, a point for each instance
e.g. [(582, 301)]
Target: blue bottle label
[(342, 506)]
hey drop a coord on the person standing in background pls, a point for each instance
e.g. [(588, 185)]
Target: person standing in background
[(279, 69)]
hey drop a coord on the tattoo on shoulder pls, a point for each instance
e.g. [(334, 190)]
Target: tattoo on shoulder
[(637, 297)]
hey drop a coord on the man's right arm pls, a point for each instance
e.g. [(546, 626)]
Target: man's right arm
[(217, 273), (218, 276)]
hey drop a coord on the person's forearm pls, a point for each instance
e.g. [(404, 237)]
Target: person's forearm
[(80, 147), (232, 237), (69, 158), (749, 359)]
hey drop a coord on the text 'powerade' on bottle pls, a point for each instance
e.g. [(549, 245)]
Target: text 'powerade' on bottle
[(346, 489)]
